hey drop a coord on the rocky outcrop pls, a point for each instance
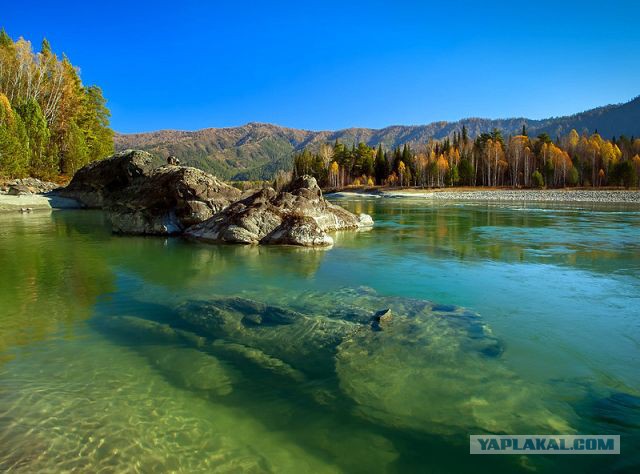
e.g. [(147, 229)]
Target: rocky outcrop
[(98, 183), (169, 200), (141, 198), (297, 216)]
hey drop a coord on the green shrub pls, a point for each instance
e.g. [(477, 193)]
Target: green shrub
[(537, 179)]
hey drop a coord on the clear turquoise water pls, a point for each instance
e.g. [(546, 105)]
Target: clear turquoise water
[(127, 354)]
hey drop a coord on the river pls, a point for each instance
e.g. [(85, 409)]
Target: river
[(134, 354)]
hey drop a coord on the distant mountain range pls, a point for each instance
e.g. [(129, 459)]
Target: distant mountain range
[(257, 150)]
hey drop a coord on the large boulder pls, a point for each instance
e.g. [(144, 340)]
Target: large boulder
[(169, 200), (96, 184), (141, 198), (297, 216)]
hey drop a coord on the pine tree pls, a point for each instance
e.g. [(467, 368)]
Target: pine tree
[(5, 40), (45, 48), (381, 166)]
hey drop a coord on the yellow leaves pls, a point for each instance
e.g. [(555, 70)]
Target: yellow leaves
[(595, 142), (574, 138), (454, 156), (442, 164), (370, 182), (6, 112), (617, 152), (334, 168), (401, 167), (422, 160)]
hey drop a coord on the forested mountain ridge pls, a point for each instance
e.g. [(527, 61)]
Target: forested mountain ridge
[(257, 150)]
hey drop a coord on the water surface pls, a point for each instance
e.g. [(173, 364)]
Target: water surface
[(132, 354)]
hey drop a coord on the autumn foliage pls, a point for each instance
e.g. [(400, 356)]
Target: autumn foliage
[(488, 160), (50, 123)]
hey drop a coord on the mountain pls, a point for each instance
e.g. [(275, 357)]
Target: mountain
[(257, 150)]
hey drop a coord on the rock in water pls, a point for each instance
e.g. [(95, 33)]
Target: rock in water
[(143, 199), (436, 372), (296, 216), (299, 340), (432, 368), (169, 200), (192, 369), (96, 184), (380, 319)]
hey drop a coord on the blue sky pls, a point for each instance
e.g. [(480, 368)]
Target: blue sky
[(331, 65)]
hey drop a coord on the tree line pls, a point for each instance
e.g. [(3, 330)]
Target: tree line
[(50, 123), (488, 160)]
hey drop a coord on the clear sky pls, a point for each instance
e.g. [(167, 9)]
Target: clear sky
[(329, 65)]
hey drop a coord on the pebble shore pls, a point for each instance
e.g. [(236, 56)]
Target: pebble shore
[(532, 195)]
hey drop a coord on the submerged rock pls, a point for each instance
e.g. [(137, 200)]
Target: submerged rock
[(411, 365), (432, 368), (297, 216), (380, 319), (301, 341), (430, 371), (192, 369)]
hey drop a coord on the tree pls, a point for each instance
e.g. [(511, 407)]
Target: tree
[(442, 169), (14, 144), (538, 180), (93, 119), (402, 171), (5, 40), (465, 171), (41, 164), (381, 166), (515, 156), (624, 174), (55, 121), (334, 172)]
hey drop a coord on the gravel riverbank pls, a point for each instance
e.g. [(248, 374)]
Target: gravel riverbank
[(533, 195)]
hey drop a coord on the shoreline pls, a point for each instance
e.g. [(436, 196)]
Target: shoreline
[(35, 202), (507, 195)]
